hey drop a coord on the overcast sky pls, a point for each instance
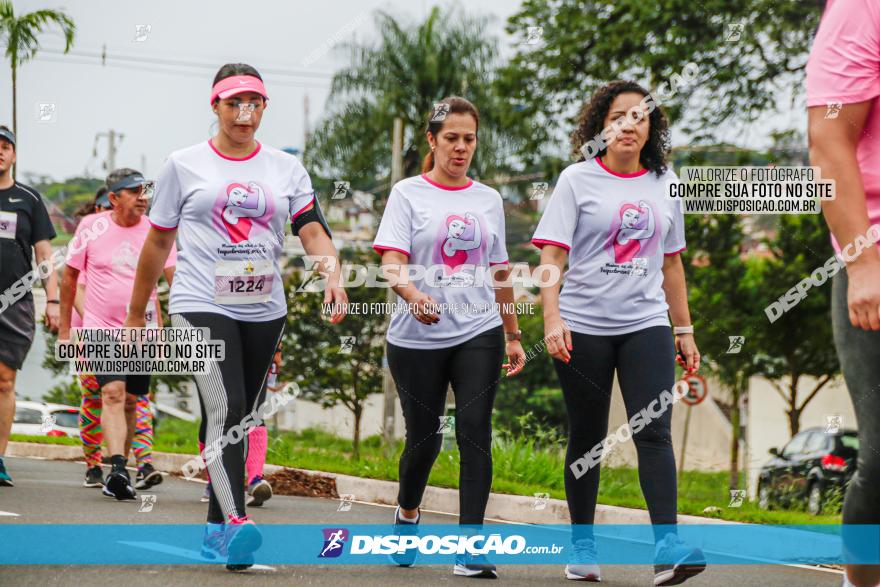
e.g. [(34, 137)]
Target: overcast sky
[(162, 104)]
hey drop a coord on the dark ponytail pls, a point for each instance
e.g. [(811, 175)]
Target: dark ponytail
[(457, 105), (91, 207)]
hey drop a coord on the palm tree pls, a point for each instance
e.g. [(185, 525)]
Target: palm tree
[(20, 34), (403, 75)]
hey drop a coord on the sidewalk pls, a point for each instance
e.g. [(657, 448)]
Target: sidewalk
[(509, 508)]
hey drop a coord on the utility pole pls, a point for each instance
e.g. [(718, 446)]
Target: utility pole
[(391, 298), (112, 138), (306, 130)]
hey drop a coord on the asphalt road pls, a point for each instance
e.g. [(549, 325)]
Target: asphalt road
[(51, 492)]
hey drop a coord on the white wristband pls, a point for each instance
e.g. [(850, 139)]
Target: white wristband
[(682, 330)]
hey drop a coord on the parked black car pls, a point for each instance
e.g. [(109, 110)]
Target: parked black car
[(813, 465)]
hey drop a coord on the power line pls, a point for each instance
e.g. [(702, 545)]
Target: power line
[(104, 57), (72, 60)]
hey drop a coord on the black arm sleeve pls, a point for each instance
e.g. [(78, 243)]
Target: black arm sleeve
[(314, 214)]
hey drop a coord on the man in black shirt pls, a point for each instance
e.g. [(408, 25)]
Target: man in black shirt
[(25, 232)]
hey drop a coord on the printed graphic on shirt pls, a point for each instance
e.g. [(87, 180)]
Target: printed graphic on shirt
[(460, 247), (125, 256), (242, 211), (632, 238)]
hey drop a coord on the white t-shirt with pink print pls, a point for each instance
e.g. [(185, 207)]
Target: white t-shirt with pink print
[(617, 229), (231, 215), (456, 234)]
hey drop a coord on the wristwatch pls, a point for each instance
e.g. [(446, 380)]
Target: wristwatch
[(512, 336), (53, 301)]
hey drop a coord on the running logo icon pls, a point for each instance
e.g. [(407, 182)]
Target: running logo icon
[(148, 500), (541, 500), (441, 109), (141, 32), (46, 112), (447, 425), (734, 31), (345, 501), (340, 190), (833, 424), (534, 34), (736, 344), (737, 496), (47, 424), (346, 344), (539, 190), (833, 109), (334, 540)]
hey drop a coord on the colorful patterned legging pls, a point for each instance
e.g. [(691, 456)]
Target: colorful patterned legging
[(90, 426)]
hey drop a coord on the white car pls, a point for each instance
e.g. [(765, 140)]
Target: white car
[(40, 419)]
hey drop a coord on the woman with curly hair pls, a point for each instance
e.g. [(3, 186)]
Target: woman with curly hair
[(609, 217)]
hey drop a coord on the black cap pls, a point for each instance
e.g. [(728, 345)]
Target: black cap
[(129, 181), (7, 135)]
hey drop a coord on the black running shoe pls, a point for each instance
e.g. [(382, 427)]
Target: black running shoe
[(118, 485), (675, 562), (94, 477), (258, 492), (147, 477)]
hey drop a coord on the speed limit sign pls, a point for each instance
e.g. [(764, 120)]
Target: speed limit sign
[(697, 389)]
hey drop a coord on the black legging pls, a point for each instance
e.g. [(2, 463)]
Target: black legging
[(645, 363), (228, 394), (859, 353), (422, 377)]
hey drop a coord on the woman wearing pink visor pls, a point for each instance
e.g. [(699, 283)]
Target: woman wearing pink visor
[(226, 201)]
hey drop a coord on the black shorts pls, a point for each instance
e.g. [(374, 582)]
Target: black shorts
[(134, 384), (17, 332)]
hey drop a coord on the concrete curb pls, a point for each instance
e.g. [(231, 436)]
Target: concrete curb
[(510, 508)]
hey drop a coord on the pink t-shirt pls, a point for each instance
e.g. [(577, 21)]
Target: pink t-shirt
[(76, 320), (844, 68), (110, 260)]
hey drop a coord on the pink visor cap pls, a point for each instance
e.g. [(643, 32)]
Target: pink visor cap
[(237, 84)]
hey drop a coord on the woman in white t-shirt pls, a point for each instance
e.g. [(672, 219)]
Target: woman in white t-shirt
[(448, 230), (609, 217), (227, 200)]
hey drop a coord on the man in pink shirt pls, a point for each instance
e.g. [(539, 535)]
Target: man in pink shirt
[(111, 261), (843, 101)]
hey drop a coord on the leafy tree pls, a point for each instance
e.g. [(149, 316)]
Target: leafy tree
[(798, 344), (532, 400), (721, 306), (330, 367), (68, 393), (403, 75), (20, 34), (586, 43)]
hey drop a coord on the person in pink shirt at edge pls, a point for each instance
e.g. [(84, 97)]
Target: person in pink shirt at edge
[(110, 260), (843, 109), (90, 405)]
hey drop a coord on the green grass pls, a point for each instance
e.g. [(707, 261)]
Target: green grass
[(520, 468), (44, 439)]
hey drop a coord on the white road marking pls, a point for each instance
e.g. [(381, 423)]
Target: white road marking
[(14, 515)]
